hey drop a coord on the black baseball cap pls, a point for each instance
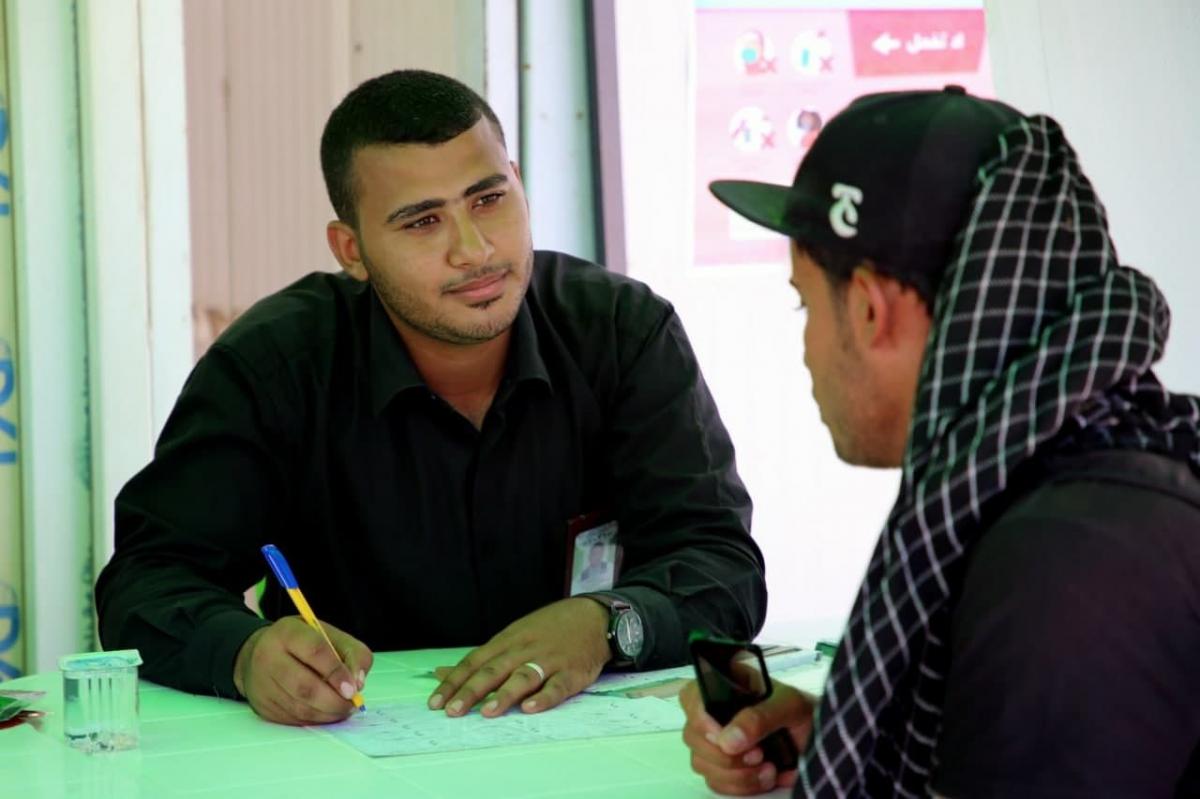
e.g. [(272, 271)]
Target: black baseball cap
[(891, 177)]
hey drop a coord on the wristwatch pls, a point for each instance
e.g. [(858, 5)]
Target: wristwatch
[(626, 635)]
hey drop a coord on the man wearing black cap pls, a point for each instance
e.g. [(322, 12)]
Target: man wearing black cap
[(1029, 624)]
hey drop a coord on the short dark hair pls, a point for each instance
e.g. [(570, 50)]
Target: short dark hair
[(839, 263), (408, 106)]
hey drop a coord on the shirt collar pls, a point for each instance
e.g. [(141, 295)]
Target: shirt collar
[(392, 371), (391, 368), (524, 355)]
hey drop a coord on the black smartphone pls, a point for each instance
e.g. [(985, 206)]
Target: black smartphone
[(732, 675)]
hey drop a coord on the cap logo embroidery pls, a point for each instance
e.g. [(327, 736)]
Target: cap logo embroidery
[(843, 214)]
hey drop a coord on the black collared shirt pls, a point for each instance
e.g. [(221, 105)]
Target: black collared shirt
[(307, 425)]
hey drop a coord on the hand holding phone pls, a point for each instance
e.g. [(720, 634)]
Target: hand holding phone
[(731, 676)]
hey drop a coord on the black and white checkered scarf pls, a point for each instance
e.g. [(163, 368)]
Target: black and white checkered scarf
[(1040, 340)]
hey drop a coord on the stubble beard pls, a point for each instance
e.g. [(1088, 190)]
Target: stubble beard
[(425, 319), (852, 437)]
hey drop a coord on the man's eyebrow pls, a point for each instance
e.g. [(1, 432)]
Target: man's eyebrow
[(490, 182), (406, 211)]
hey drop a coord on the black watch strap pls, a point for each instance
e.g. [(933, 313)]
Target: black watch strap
[(616, 608)]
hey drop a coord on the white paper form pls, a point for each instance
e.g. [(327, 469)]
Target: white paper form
[(781, 660), (412, 729)]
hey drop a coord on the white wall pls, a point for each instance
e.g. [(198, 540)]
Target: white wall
[(815, 518), (135, 184), (1121, 79), (556, 152)]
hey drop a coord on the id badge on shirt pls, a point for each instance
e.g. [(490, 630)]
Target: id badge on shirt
[(594, 552)]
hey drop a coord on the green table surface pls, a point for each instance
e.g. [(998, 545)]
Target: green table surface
[(199, 746)]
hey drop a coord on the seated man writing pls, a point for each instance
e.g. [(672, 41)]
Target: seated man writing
[(1028, 625), (416, 434)]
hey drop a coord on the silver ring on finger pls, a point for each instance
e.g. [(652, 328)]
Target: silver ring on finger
[(541, 673)]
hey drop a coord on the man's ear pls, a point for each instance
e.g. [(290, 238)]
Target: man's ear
[(343, 243), (872, 316)]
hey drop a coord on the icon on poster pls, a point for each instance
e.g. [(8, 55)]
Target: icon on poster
[(751, 130), (812, 53), (886, 44), (803, 127), (754, 54)]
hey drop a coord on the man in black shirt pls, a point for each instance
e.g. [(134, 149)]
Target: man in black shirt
[(1029, 625), (416, 434)]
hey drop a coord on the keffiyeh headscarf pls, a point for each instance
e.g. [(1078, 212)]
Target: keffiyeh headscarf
[(1040, 340)]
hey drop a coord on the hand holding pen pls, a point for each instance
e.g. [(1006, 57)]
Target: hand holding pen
[(293, 672)]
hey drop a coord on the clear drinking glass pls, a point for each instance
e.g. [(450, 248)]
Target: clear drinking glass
[(100, 700)]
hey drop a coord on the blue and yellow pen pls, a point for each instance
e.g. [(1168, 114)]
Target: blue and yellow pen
[(279, 565)]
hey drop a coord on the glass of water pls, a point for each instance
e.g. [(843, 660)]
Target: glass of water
[(100, 700)]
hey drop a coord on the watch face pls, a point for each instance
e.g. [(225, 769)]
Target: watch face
[(630, 635)]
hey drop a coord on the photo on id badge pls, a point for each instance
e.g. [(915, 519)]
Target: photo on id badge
[(595, 554)]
